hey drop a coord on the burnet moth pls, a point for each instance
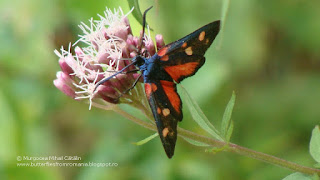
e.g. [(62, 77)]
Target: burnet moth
[(168, 67)]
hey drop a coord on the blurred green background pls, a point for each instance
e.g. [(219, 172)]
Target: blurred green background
[(268, 53)]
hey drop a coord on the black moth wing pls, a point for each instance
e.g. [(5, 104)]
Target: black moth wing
[(183, 58), (179, 60), (165, 104)]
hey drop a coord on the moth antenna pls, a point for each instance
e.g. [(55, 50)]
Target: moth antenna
[(108, 78), (143, 27)]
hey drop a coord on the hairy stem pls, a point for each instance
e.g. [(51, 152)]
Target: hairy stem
[(226, 146)]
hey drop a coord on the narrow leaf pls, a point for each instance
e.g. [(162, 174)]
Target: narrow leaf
[(298, 176), (198, 116), (136, 11), (226, 119), (137, 14), (224, 12), (142, 142), (196, 143), (229, 132), (315, 144)]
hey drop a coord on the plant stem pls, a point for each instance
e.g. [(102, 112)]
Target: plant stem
[(227, 146), (230, 147), (134, 119)]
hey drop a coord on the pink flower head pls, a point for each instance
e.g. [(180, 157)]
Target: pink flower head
[(108, 46)]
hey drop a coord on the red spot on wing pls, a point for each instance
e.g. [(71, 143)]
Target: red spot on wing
[(169, 89), (181, 70), (184, 45), (154, 87), (164, 58), (163, 51), (147, 89)]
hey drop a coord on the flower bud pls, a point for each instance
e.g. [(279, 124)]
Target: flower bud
[(109, 46), (62, 82), (159, 41)]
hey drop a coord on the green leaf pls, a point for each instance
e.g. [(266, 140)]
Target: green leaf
[(229, 132), (196, 143), (315, 144), (198, 116), (136, 11), (142, 142), (224, 12), (226, 119), (298, 176)]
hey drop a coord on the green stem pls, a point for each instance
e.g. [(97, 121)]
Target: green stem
[(230, 147), (227, 146), (135, 120)]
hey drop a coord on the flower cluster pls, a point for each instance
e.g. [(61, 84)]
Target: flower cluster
[(109, 46)]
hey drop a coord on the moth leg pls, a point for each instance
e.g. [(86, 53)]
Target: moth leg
[(133, 85)]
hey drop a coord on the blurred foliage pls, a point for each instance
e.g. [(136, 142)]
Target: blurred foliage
[(269, 55)]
